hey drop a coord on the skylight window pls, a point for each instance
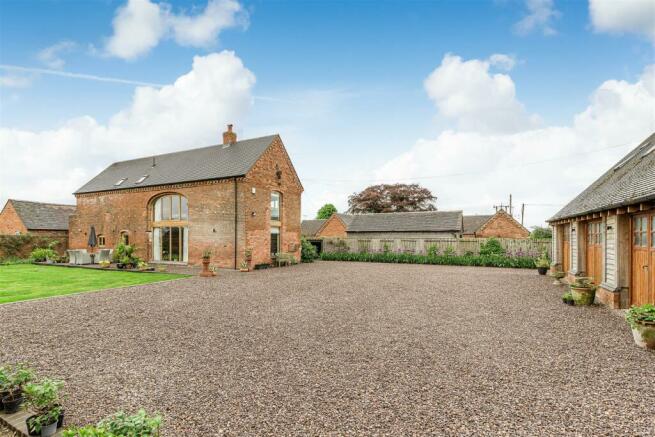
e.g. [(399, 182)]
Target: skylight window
[(120, 181), (141, 179)]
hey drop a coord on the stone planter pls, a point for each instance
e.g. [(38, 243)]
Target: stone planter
[(558, 277), (583, 296), (644, 335)]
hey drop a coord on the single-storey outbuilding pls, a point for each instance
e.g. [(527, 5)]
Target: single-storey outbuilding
[(47, 219), (498, 225), (608, 231)]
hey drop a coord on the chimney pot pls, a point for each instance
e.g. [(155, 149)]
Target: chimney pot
[(229, 137)]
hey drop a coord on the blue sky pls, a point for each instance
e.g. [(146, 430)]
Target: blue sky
[(344, 83)]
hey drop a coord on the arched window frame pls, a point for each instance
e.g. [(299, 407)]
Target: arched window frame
[(169, 220)]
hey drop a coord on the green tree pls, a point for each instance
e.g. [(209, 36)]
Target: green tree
[(541, 233), (326, 211)]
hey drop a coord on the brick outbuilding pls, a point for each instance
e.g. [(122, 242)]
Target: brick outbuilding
[(230, 199), (498, 225)]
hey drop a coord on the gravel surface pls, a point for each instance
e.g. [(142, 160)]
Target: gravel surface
[(343, 348)]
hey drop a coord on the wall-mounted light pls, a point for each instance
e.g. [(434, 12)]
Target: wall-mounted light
[(253, 213), (214, 230), (609, 227), (253, 190), (572, 230)]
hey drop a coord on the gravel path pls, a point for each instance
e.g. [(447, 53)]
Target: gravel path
[(343, 348)]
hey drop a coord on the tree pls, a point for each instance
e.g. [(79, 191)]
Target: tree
[(541, 233), (392, 198), (326, 211)]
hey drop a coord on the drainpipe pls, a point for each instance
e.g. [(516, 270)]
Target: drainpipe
[(236, 204)]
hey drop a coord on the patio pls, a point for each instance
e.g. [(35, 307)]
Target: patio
[(342, 348)]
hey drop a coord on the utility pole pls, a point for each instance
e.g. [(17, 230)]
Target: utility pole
[(511, 211), (522, 212)]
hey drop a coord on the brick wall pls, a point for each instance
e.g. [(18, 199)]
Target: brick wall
[(10, 222), (502, 225), (334, 227)]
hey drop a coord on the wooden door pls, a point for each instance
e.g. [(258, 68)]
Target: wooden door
[(643, 259), (566, 249), (594, 251)]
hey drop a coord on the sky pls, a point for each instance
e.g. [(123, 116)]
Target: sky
[(473, 100)]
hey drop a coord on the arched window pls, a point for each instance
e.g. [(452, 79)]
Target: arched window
[(170, 228)]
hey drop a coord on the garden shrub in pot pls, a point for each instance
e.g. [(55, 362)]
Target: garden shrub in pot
[(43, 397), (12, 381), (542, 263), (642, 321)]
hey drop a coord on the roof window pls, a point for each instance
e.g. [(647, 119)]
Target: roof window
[(141, 179), (120, 181)]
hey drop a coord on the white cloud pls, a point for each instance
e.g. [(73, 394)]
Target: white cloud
[(477, 99), (626, 16), (540, 15), (477, 169), (51, 56), (140, 25), (502, 61), (15, 81), (49, 165)]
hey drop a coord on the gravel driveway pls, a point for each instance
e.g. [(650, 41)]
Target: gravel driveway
[(343, 348)]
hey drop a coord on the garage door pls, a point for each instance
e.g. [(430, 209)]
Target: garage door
[(643, 259), (594, 252), (566, 249)]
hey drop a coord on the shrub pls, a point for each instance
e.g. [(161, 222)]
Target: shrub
[(120, 425), (43, 397), (644, 314), (308, 252), (409, 258), (432, 250), (543, 261), (491, 247), (449, 251), (124, 254), (43, 254), (14, 378)]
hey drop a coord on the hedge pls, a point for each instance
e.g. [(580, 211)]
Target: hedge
[(451, 260)]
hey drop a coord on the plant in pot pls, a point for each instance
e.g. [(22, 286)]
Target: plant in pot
[(642, 321), (557, 273), (206, 257), (542, 263), (43, 397), (244, 266), (14, 379), (583, 290), (567, 298)]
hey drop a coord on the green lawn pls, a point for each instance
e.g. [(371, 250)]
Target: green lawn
[(28, 281)]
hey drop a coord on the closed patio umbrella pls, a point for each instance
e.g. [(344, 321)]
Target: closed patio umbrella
[(93, 241)]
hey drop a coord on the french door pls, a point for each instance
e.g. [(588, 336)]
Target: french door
[(643, 259), (170, 243)]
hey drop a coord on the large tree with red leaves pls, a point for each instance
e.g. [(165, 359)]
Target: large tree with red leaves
[(392, 198)]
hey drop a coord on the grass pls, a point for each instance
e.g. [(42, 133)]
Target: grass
[(27, 281)]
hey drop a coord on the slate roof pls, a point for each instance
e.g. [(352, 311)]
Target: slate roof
[(429, 221), (206, 163), (474, 222), (43, 216), (631, 180), (309, 228)]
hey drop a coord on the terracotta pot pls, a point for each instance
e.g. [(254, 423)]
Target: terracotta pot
[(206, 273), (644, 335)]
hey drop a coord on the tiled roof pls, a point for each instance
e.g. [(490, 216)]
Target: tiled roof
[(631, 180), (43, 216), (309, 228), (213, 162), (428, 221), (474, 222)]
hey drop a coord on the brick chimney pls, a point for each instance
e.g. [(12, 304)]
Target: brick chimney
[(229, 137)]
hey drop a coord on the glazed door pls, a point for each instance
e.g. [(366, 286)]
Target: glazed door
[(594, 251), (643, 259), (566, 249)]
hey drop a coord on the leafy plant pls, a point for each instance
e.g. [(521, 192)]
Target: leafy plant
[(433, 250), (44, 395), (386, 248), (206, 254), (567, 297), (644, 314), (541, 233), (124, 254), (14, 378), (491, 247), (449, 251), (409, 258), (243, 265), (543, 261), (88, 431), (326, 211), (43, 254), (308, 252), (120, 425)]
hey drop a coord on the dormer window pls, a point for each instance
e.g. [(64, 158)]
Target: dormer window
[(141, 179), (120, 181)]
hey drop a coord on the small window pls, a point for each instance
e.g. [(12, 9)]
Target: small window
[(124, 237), (275, 205), (275, 240), (101, 241), (141, 179), (120, 181)]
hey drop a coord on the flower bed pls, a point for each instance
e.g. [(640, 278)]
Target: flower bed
[(451, 260)]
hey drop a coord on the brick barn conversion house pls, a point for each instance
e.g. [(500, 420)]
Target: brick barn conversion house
[(20, 217), (225, 198), (608, 231)]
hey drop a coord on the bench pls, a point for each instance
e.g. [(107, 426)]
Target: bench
[(284, 258)]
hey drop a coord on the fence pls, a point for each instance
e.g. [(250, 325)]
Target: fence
[(457, 246)]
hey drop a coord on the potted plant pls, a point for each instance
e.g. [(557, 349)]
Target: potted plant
[(12, 388), (583, 290), (244, 266), (43, 398), (542, 263), (642, 321), (248, 254), (206, 257), (567, 298)]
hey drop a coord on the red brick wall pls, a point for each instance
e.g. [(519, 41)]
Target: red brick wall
[(502, 225), (10, 222), (211, 213), (257, 207), (334, 227)]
